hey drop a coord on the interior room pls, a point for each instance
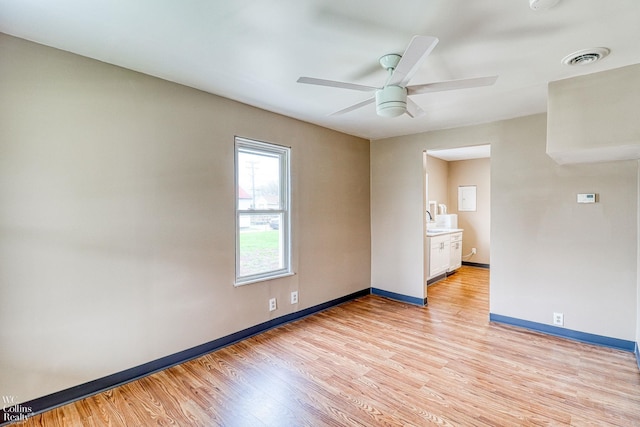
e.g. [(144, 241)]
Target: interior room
[(125, 206), (450, 173)]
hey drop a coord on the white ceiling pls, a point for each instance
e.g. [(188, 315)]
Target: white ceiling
[(462, 153), (253, 51)]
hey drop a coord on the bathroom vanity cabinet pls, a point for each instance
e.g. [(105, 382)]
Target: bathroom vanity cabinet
[(444, 252)]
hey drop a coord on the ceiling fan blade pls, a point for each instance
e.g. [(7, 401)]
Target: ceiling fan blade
[(417, 51), (451, 85), (354, 107), (413, 110), (332, 83)]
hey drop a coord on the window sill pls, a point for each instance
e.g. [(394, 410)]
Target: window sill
[(262, 279)]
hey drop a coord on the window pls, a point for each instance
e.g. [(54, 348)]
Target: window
[(263, 241)]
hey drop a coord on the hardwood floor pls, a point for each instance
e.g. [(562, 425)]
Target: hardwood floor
[(374, 361)]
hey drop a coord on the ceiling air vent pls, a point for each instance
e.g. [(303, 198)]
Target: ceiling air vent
[(586, 56)]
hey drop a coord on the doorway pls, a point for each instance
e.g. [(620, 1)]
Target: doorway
[(448, 174)]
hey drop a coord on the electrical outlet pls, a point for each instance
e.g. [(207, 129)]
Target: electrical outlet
[(558, 319), (272, 304), (294, 297), (473, 251)]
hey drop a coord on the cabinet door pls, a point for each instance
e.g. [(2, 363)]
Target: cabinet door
[(456, 255), (439, 255)]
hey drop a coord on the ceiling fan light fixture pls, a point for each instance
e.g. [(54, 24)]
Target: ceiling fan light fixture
[(391, 101)]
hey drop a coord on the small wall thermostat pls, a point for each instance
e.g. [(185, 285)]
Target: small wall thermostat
[(587, 198)]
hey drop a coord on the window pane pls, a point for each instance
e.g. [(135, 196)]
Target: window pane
[(261, 244), (262, 211), (259, 180)]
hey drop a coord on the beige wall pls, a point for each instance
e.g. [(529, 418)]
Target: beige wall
[(397, 224), (438, 171), (595, 117), (476, 225), (397, 219), (547, 252), (551, 254), (117, 218)]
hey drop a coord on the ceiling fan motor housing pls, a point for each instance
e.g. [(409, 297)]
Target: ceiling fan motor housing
[(391, 101)]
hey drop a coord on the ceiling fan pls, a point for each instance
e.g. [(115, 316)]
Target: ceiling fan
[(392, 98)]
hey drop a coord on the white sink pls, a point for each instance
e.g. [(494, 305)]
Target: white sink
[(437, 230)]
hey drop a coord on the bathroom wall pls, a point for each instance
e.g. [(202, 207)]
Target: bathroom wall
[(438, 171), (477, 224)]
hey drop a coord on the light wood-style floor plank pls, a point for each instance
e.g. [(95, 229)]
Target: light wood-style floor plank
[(374, 361)]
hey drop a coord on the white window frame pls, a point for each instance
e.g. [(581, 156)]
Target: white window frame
[(284, 156)]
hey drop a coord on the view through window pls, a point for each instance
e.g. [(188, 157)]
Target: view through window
[(262, 211)]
